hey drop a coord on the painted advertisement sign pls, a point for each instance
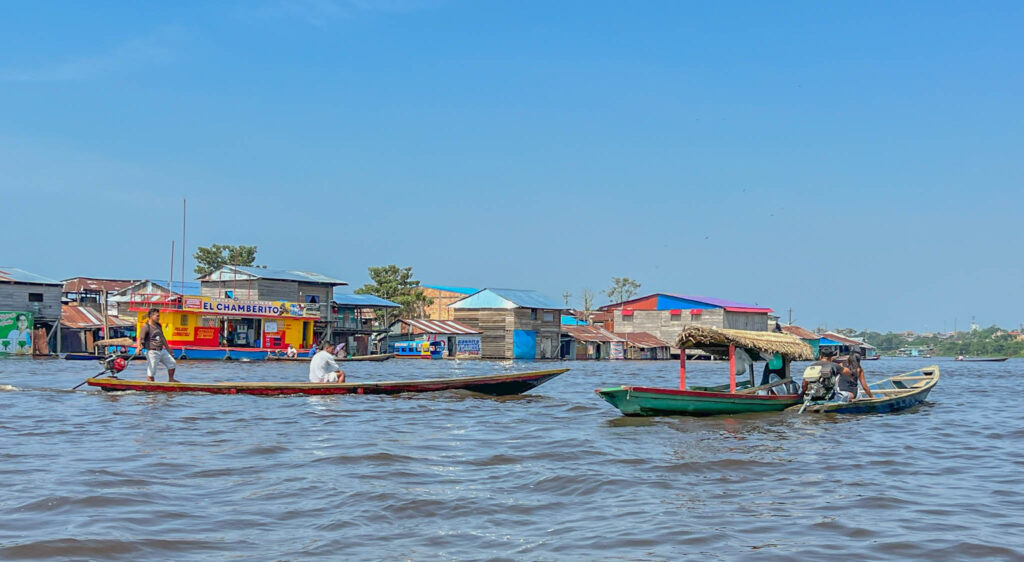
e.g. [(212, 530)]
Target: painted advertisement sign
[(16, 333), (231, 307), (467, 347)]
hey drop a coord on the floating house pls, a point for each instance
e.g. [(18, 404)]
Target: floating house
[(356, 322), (590, 342), (844, 345), (808, 337), (641, 345), (30, 311), (514, 323), (93, 291), (457, 339), (664, 315), (442, 296)]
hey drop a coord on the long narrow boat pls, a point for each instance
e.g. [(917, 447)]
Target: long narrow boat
[(726, 399), (981, 359), (891, 395), (494, 385)]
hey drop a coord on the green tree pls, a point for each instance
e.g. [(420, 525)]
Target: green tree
[(397, 285), (212, 258), (622, 289)]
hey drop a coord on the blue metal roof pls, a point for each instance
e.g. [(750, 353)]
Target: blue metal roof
[(15, 275), (371, 301), (229, 272), (192, 288), (507, 298), (573, 321), (460, 290), (827, 341)]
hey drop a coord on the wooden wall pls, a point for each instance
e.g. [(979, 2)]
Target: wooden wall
[(14, 297)]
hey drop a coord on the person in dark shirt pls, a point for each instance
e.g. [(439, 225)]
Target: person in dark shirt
[(847, 383), (151, 338)]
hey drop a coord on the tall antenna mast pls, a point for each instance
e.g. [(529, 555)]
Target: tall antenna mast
[(184, 204)]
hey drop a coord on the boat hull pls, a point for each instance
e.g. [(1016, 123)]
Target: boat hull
[(645, 401), (493, 385), (983, 360)]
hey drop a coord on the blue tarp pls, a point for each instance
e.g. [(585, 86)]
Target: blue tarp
[(524, 344)]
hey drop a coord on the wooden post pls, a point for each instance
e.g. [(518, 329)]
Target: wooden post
[(732, 368), (682, 368)]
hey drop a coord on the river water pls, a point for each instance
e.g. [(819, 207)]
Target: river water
[(554, 475)]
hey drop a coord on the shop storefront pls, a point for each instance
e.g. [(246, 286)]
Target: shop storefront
[(213, 328)]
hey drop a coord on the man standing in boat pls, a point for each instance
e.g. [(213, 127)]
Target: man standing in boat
[(323, 368), (151, 338)]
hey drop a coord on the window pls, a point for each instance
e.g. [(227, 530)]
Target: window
[(35, 297), (627, 318), (184, 320), (549, 316), (676, 317), (533, 314)]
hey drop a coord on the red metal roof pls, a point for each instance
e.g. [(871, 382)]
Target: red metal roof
[(88, 284), (83, 317), (800, 332), (426, 326), (643, 340), (590, 333)]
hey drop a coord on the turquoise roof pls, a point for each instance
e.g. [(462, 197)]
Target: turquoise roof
[(507, 298), (460, 290), (372, 301)]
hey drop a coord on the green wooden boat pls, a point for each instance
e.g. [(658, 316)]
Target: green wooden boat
[(734, 398), (646, 401)]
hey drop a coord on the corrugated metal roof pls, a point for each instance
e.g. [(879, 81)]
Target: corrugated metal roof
[(710, 301), (15, 275), (351, 299), (83, 317), (643, 340), (590, 333), (507, 298), (89, 284), (568, 320), (800, 332), (233, 272), (847, 341), (460, 290), (446, 327)]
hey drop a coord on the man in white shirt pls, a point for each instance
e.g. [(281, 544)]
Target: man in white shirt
[(322, 368)]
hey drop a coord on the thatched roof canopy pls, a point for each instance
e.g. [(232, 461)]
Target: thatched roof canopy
[(116, 341), (769, 342)]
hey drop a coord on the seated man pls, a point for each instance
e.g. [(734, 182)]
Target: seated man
[(291, 352), (322, 367)]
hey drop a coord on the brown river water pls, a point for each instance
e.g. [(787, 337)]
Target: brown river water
[(554, 475)]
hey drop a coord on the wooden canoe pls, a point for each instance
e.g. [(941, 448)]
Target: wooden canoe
[(891, 395), (494, 385), (646, 401)]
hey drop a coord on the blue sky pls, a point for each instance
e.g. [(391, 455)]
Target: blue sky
[(858, 162)]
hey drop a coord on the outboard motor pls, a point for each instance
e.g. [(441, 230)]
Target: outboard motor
[(115, 364), (820, 386)]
